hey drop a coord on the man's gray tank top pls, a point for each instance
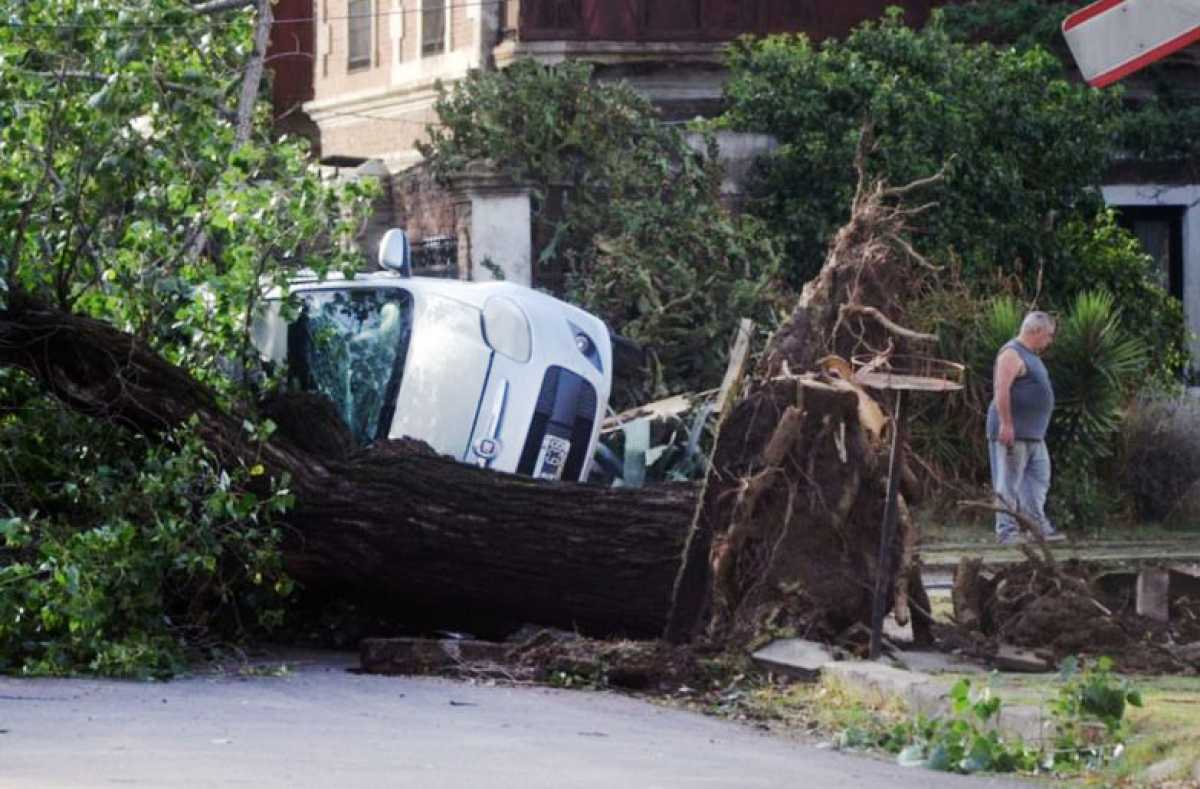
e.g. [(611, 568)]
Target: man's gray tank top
[(1031, 399)]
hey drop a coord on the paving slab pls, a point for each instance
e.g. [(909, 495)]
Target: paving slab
[(1160, 772), (932, 662), (795, 657), (1025, 661)]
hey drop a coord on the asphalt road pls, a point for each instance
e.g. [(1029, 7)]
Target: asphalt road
[(318, 725)]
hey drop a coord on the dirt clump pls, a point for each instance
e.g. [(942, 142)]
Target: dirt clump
[(1066, 609)]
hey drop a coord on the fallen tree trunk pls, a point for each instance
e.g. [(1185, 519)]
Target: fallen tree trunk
[(787, 531), (395, 524)]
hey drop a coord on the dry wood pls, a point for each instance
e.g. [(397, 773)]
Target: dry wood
[(737, 364), (887, 323)]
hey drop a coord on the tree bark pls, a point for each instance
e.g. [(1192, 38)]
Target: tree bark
[(395, 524)]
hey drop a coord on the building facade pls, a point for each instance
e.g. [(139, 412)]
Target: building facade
[(377, 61)]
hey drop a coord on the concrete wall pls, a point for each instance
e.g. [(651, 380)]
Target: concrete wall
[(737, 152)]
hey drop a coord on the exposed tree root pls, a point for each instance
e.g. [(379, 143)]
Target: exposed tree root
[(793, 505)]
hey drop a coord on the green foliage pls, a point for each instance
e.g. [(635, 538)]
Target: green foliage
[(1155, 126), (1023, 24), (1159, 460), (628, 214), (959, 742), (1090, 694), (128, 194), (1022, 144), (125, 191), (1100, 255), (1088, 714), (1095, 365), (117, 554)]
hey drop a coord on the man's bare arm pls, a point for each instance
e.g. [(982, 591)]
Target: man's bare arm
[(1009, 368)]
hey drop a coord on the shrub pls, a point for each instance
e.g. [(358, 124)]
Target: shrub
[(1023, 144), (641, 237), (1160, 454)]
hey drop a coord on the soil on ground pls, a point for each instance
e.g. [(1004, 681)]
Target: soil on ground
[(1065, 609)]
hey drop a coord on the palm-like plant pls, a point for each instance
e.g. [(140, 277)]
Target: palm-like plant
[(1094, 365)]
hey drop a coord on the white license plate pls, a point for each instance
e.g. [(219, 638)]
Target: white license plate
[(552, 458)]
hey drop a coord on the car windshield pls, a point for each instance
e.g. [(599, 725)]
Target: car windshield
[(350, 345)]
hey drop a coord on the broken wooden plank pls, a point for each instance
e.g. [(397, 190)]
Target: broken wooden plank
[(737, 364), (666, 408)]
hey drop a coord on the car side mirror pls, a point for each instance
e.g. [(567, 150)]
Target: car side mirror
[(395, 253)]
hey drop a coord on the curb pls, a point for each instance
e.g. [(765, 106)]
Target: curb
[(879, 684)]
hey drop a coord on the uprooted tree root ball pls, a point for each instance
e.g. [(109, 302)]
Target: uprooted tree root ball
[(789, 526), (1066, 609)]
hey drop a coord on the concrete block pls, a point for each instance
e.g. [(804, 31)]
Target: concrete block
[(1010, 658), (1152, 599), (931, 662), (879, 685), (795, 657), (1025, 721), (1161, 772)]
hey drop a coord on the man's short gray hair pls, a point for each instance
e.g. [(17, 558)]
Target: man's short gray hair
[(1037, 321)]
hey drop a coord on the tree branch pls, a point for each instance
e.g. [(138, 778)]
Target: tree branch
[(254, 70), (887, 322)]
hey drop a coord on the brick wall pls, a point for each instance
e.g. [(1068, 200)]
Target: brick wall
[(420, 206)]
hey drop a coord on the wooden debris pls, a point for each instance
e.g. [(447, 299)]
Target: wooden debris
[(737, 364), (430, 656)]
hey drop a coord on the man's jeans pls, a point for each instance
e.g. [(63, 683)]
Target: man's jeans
[(1021, 480)]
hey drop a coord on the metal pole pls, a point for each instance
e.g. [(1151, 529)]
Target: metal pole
[(887, 536)]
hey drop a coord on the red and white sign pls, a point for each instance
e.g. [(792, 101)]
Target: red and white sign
[(1113, 38)]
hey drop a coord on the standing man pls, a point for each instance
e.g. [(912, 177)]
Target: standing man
[(1022, 401)]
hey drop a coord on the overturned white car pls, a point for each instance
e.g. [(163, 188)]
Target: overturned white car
[(493, 374)]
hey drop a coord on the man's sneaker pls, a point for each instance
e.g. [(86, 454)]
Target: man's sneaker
[(1054, 536), (1012, 538)]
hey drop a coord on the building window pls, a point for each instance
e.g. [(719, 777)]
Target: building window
[(433, 27), (358, 33)]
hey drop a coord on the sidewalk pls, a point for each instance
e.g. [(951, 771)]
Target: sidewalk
[(941, 557)]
